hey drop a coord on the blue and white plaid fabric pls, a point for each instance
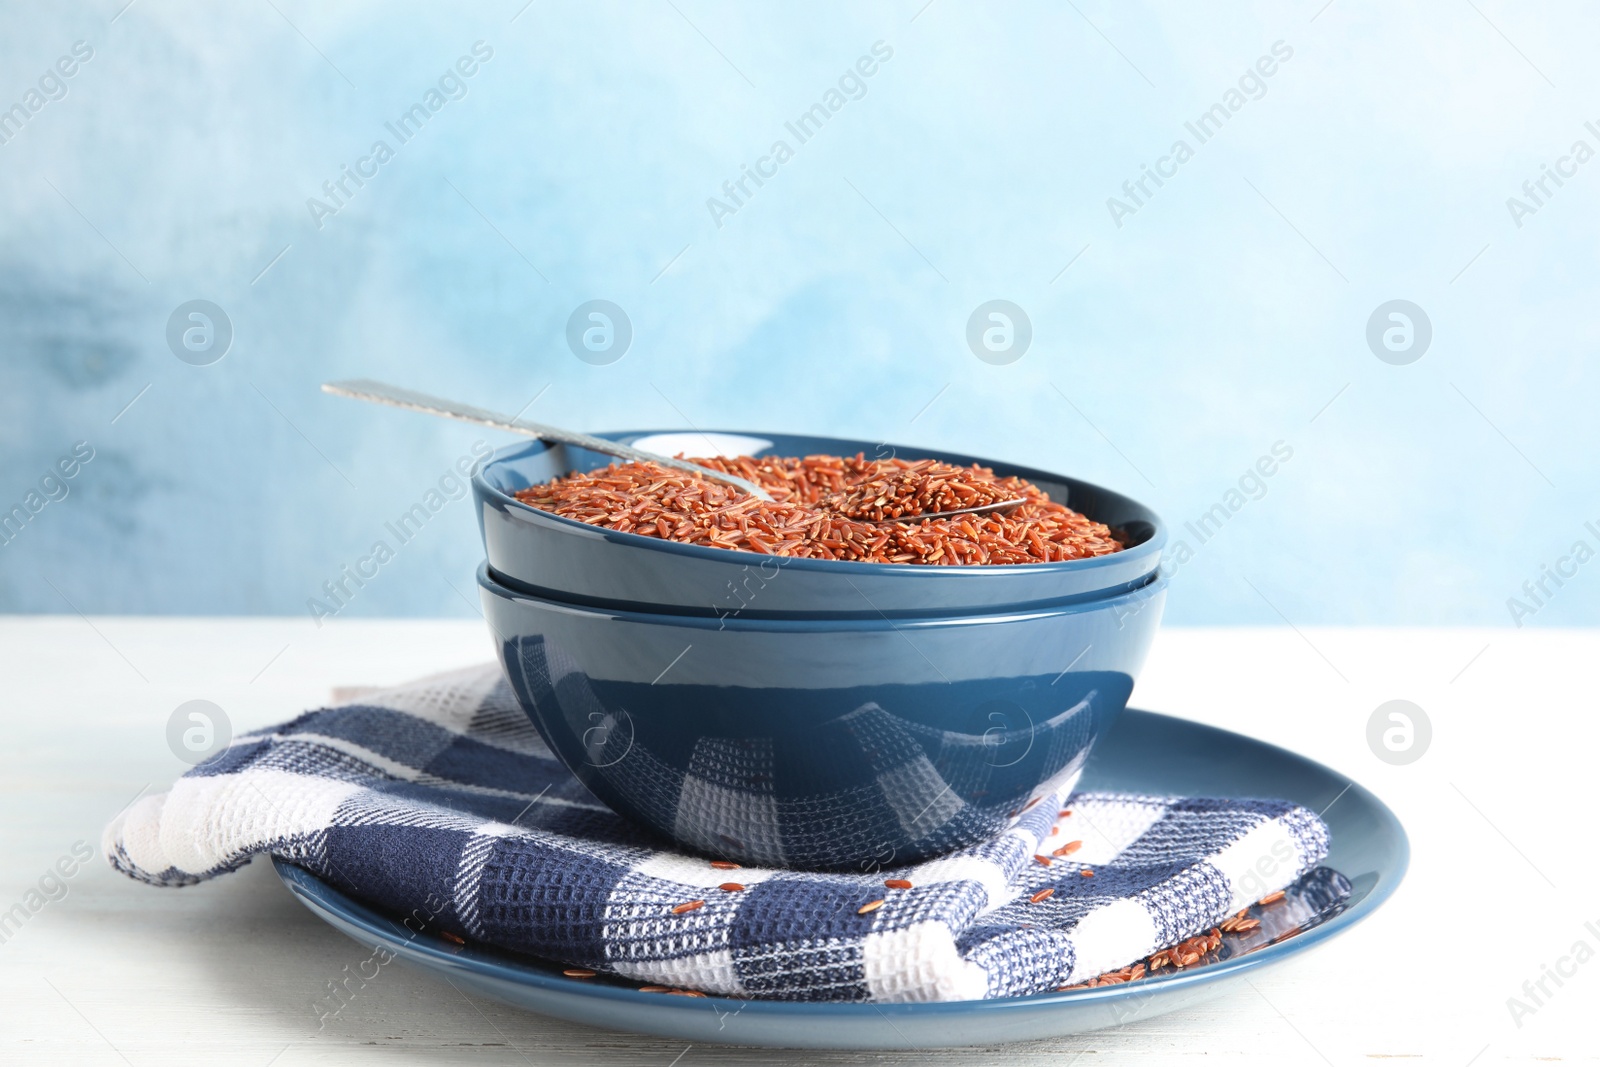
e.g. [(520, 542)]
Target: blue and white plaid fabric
[(439, 795)]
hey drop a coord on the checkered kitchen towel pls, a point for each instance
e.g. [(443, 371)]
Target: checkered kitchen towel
[(439, 795)]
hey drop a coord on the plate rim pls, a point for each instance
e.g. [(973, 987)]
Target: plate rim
[(324, 900)]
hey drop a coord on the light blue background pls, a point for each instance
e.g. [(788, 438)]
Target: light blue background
[(1227, 314)]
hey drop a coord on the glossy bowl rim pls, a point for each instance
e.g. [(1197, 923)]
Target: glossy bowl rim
[(1153, 545), (1155, 585)]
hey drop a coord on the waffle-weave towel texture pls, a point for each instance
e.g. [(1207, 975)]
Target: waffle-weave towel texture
[(440, 796)]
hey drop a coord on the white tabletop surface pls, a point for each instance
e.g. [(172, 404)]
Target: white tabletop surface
[(1503, 878)]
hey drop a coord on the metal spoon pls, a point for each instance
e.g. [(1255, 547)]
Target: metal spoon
[(382, 393), (393, 395)]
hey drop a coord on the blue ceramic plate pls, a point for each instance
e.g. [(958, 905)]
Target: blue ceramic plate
[(1144, 752)]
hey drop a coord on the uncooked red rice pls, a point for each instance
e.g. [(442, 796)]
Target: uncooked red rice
[(819, 508)]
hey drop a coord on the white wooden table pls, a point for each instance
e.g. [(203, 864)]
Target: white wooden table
[(1500, 813)]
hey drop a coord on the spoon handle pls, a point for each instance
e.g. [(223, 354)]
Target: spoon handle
[(383, 393)]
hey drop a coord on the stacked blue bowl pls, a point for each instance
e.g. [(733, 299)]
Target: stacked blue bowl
[(803, 712)]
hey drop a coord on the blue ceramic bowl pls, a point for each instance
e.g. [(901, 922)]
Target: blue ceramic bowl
[(539, 553), (825, 743)]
